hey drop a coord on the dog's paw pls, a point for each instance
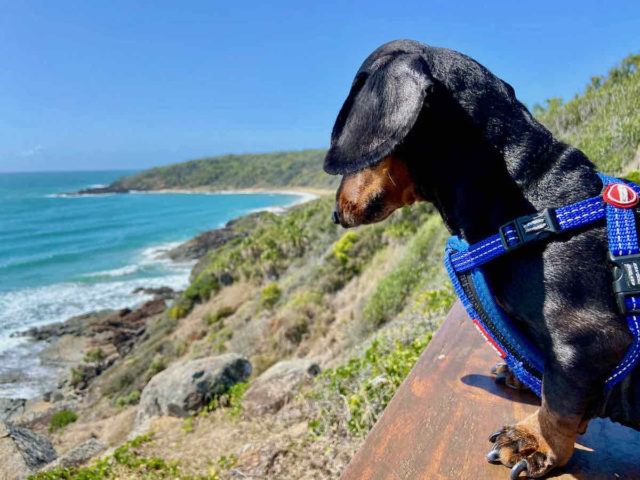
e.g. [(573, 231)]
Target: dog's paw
[(504, 376), (518, 448), (523, 448)]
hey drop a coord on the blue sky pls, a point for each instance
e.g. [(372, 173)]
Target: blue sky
[(125, 84)]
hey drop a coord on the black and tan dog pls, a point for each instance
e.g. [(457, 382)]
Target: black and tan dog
[(429, 124)]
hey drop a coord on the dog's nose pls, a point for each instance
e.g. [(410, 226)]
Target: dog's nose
[(335, 218)]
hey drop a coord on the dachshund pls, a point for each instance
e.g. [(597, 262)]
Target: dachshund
[(422, 123)]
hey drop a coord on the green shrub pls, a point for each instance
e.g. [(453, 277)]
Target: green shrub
[(342, 247), (77, 376), (180, 309), (94, 356), (365, 383), (400, 229), (156, 366), (231, 399), (61, 419), (270, 295), (393, 290), (202, 287), (132, 399), (188, 424), (125, 460), (215, 318)]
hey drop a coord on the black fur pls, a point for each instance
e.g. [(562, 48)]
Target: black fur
[(477, 153)]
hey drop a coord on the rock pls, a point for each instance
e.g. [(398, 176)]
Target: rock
[(186, 387), (22, 452), (278, 385), (159, 293), (78, 455), (11, 408), (123, 324), (198, 246), (115, 187), (75, 326)]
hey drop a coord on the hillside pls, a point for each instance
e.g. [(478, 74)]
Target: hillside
[(250, 170), (603, 122)]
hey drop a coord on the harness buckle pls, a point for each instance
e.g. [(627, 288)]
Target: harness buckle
[(529, 228), (626, 282)]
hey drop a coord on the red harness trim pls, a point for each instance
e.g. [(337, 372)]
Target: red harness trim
[(488, 338)]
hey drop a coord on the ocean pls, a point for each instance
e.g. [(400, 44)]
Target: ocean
[(62, 256)]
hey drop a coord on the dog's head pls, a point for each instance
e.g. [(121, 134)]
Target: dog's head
[(412, 113), (385, 100)]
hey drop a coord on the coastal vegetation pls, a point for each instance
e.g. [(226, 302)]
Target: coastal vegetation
[(250, 170), (604, 121)]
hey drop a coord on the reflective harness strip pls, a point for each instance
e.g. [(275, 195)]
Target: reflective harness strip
[(463, 262)]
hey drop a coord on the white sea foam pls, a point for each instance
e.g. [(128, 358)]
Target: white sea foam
[(116, 272), (78, 195), (37, 306), (22, 373)]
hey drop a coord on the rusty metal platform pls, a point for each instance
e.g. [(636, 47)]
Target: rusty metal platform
[(437, 425)]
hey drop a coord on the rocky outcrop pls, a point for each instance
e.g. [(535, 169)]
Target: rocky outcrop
[(11, 408), (159, 293), (119, 328), (198, 246), (278, 385), (76, 326), (78, 455), (113, 188), (22, 452), (186, 387)]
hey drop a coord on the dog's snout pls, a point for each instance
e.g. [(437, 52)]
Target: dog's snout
[(335, 217)]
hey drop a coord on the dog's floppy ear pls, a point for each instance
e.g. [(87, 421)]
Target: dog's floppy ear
[(385, 100)]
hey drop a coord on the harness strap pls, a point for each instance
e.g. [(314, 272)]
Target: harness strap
[(534, 227), (623, 246), (462, 262)]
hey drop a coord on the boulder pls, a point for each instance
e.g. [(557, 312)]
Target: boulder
[(78, 455), (11, 408), (186, 387), (278, 385), (22, 452)]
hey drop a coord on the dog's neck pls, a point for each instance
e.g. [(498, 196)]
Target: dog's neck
[(480, 196), (476, 188)]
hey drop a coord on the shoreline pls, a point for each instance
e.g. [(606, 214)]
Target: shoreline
[(44, 349), (309, 192), (315, 192)]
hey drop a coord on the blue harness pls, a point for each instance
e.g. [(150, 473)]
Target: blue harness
[(463, 263)]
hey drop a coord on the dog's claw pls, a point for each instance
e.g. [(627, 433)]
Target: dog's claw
[(494, 436), (521, 466), (493, 456)]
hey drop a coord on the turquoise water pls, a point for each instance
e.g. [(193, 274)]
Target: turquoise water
[(65, 255)]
